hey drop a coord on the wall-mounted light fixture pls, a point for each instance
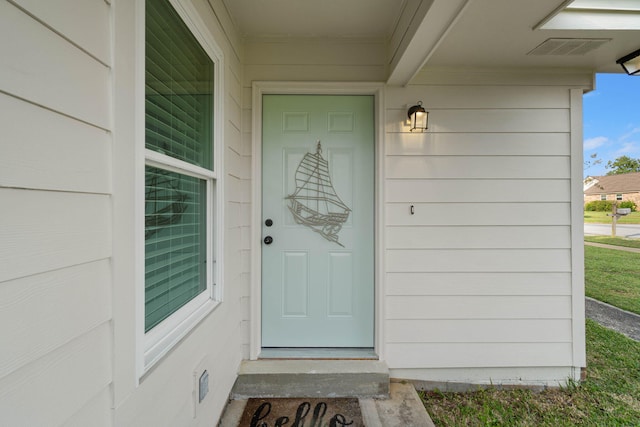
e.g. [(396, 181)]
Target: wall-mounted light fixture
[(631, 63), (418, 117)]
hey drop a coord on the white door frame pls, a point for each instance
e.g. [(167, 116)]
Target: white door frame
[(311, 88)]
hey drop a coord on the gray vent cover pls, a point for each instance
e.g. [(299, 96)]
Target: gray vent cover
[(565, 47)]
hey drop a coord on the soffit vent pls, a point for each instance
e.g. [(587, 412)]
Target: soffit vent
[(567, 47)]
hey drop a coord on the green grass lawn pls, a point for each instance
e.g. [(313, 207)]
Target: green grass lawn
[(613, 276), (609, 397), (616, 241), (602, 218)]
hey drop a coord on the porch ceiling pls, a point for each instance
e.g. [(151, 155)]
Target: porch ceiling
[(323, 19), (468, 34), (500, 33)]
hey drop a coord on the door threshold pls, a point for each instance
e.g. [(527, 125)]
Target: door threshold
[(340, 353)]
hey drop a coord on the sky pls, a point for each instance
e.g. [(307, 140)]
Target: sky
[(611, 120)]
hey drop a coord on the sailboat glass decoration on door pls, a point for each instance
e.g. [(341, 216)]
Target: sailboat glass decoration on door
[(314, 203)]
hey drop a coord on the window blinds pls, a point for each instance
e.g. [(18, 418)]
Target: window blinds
[(179, 88), (178, 123)]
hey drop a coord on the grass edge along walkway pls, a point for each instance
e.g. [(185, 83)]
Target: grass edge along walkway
[(613, 242), (613, 276), (610, 396), (614, 247)]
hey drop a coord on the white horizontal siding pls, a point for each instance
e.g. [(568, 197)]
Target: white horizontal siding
[(91, 33), (481, 167), (321, 72), (96, 413), (42, 312), (41, 149), (47, 230), (314, 60), (477, 120), (485, 97), (478, 227), (477, 144), (49, 390), (477, 190), (479, 331), (238, 169), (478, 237), (232, 129), (163, 395), (467, 214), (478, 307), (55, 222), (234, 163), (459, 283), (40, 66), (315, 52), (480, 260), (478, 355)]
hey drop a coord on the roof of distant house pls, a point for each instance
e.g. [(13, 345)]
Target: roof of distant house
[(610, 184)]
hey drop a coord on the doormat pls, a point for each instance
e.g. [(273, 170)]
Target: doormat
[(301, 412)]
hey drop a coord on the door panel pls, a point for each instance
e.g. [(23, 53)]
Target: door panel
[(340, 286), (318, 189), (295, 284)]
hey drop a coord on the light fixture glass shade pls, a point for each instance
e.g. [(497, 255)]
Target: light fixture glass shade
[(418, 117), (631, 63)]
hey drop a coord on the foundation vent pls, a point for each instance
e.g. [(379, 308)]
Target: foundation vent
[(567, 47)]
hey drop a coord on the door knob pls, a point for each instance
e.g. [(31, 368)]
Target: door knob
[(268, 240)]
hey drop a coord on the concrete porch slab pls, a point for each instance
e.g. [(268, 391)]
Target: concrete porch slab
[(403, 408)]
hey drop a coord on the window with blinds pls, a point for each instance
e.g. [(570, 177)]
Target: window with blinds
[(179, 127)]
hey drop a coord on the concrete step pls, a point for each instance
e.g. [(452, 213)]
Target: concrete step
[(312, 378), (402, 408)]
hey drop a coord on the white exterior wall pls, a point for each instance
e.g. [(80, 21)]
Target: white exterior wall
[(482, 284), (69, 153), (166, 394), (55, 213)]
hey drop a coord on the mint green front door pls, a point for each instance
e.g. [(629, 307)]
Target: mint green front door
[(317, 221)]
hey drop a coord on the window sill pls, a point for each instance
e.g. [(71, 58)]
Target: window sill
[(163, 338)]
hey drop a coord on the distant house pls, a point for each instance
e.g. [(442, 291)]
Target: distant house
[(621, 187)]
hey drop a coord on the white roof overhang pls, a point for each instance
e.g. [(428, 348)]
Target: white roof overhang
[(459, 34)]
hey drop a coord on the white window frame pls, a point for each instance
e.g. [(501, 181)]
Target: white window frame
[(153, 345), (619, 197)]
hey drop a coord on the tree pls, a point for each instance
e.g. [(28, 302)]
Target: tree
[(593, 161), (623, 164)]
